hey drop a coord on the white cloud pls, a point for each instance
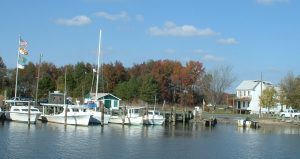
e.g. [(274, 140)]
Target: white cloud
[(212, 58), (270, 2), (199, 51), (78, 20), (114, 17), (139, 17), (170, 51), (227, 41), (171, 29)]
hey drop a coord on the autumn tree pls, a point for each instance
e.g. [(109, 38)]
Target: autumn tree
[(290, 91), (268, 97), (113, 74)]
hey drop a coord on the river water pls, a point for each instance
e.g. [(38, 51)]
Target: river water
[(226, 141)]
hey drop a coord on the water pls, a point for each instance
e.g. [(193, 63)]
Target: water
[(46, 140)]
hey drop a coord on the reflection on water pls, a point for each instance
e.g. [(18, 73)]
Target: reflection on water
[(270, 130), (48, 140)]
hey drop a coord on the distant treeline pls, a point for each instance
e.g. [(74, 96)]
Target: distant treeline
[(164, 80)]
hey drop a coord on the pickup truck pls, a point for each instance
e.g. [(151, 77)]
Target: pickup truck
[(294, 113)]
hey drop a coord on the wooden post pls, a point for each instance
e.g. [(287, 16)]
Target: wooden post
[(147, 115), (173, 116), (183, 115), (102, 113), (66, 114), (29, 111), (123, 115)]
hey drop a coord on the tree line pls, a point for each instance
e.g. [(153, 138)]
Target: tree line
[(166, 81), (161, 80)]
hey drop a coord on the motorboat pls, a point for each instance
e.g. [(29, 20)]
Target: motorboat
[(248, 123), (153, 117), (22, 111), (132, 116), (75, 115)]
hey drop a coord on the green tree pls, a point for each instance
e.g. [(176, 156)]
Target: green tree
[(128, 90), (46, 85), (148, 89), (268, 97), (290, 89), (3, 75)]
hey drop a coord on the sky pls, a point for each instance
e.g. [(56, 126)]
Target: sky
[(251, 36)]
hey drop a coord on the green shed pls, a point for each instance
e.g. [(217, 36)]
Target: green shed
[(110, 101)]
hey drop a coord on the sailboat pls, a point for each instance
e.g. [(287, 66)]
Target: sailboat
[(97, 116), (21, 111)]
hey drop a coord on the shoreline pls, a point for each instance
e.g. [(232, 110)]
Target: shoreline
[(232, 119)]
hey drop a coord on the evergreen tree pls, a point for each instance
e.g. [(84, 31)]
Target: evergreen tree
[(149, 89)]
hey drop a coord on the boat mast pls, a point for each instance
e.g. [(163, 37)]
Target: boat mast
[(37, 81), (17, 71), (98, 66), (65, 90)]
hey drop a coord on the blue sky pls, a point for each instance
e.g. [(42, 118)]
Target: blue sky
[(252, 36)]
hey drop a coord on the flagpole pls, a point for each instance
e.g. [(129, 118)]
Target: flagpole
[(99, 53), (17, 71)]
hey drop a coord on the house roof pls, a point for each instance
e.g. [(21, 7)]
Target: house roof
[(251, 84), (247, 85)]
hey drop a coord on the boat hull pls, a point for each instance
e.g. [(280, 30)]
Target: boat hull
[(118, 120), (22, 116), (136, 120), (244, 123), (96, 118), (154, 121), (81, 120)]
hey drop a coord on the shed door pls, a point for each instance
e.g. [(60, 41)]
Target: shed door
[(107, 103)]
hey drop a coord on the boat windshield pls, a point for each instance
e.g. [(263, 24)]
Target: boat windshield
[(136, 111)]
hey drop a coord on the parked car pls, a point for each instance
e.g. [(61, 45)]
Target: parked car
[(294, 113)]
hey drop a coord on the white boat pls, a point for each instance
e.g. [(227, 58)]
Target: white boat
[(133, 117), (96, 115), (153, 118), (19, 111), (76, 115), (247, 123)]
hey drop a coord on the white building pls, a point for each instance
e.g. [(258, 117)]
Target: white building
[(248, 94)]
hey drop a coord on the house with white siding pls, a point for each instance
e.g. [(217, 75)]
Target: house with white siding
[(248, 94)]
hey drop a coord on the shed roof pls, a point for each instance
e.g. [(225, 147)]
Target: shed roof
[(101, 95)]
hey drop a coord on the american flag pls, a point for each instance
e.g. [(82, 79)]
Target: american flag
[(23, 43)]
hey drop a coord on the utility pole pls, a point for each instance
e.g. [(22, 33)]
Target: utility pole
[(261, 82)]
